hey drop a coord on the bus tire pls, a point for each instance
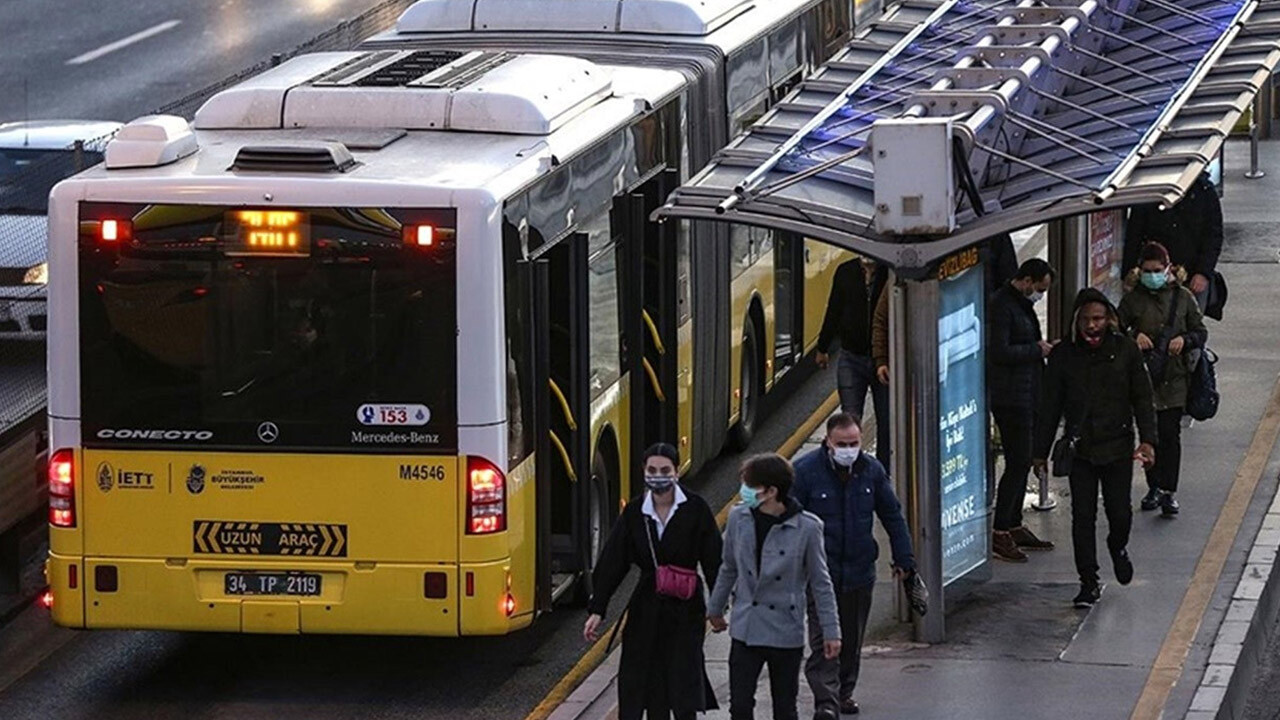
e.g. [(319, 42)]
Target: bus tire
[(751, 389), (600, 517)]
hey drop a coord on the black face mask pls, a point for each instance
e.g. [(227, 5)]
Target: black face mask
[(659, 484)]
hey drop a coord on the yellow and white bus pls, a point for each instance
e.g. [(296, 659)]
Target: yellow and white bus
[(369, 347)]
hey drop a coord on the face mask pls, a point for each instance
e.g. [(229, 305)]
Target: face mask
[(659, 484), (1035, 297), (845, 456), (1154, 280), (750, 496)]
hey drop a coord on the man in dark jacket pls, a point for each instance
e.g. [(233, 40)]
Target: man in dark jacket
[(1190, 230), (845, 487), (855, 290), (1015, 361), (1098, 383)]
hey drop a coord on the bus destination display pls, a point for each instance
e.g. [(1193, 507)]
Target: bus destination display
[(268, 232)]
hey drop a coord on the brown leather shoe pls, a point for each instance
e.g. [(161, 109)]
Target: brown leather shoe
[(1004, 548), (1027, 540)]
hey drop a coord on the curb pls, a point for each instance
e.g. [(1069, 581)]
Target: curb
[(1237, 649)]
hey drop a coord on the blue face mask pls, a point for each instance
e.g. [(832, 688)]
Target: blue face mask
[(1154, 280), (750, 496)]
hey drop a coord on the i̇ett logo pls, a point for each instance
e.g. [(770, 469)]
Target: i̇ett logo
[(195, 480), (106, 477)]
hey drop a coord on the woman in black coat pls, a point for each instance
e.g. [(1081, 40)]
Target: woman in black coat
[(662, 670)]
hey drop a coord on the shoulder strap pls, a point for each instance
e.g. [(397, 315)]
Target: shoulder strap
[(1173, 307), (649, 536)]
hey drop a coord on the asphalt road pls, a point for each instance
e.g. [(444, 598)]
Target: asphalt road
[(52, 672), (116, 61)]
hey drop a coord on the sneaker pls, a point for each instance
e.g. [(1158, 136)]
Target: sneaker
[(849, 707), (824, 714), (1090, 593), (1168, 505), (1123, 566), (1004, 548), (1151, 500), (1027, 540)]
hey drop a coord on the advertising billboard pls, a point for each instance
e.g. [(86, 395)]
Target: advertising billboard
[(962, 428), (1106, 253)]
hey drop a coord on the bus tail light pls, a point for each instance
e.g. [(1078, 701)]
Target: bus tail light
[(46, 600), (486, 497), (62, 489), (421, 236), (112, 231)]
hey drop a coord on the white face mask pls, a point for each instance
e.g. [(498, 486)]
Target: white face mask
[(1035, 297), (845, 456)]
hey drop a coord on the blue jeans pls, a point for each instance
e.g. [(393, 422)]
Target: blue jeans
[(854, 374)]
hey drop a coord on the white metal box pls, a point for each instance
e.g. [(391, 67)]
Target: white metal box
[(914, 179)]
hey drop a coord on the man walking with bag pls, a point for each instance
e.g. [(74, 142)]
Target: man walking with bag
[(847, 489), (1098, 383)]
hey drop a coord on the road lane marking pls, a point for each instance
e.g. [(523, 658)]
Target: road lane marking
[(1173, 652), (596, 654), (124, 42)]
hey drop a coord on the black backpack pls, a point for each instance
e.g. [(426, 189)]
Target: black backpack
[(1202, 387)]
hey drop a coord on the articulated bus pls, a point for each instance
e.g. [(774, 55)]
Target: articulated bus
[(370, 346)]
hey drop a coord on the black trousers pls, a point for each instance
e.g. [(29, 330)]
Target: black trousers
[(1164, 474), (745, 663), (1116, 481), (835, 679), (657, 703), (1015, 425)]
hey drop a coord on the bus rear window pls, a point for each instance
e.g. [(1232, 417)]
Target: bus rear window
[(268, 328)]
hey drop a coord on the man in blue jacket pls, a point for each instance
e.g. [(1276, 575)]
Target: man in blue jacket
[(845, 487)]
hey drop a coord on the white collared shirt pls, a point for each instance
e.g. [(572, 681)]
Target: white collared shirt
[(648, 509)]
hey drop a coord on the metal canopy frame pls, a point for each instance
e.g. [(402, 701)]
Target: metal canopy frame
[(1062, 107)]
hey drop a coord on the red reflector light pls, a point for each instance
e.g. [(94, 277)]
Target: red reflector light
[(47, 599), (73, 576), (62, 489), (115, 231), (509, 605), (486, 497), (471, 584)]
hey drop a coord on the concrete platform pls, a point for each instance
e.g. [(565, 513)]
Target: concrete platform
[(1016, 648)]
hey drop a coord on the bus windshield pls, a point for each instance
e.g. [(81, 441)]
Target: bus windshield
[(267, 329)]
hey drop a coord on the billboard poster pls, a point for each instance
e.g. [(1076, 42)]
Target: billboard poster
[(864, 10), (1106, 253), (962, 414)]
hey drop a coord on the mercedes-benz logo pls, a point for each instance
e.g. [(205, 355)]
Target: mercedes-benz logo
[(268, 432)]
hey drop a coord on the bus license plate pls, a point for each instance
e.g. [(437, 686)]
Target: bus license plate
[(283, 583)]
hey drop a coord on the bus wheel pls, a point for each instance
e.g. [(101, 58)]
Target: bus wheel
[(600, 514), (752, 389)]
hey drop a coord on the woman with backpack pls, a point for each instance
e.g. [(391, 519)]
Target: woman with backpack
[(1163, 317)]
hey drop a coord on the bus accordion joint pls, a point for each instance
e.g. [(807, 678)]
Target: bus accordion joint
[(564, 455), (653, 380)]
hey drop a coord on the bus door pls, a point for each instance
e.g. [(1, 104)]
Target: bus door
[(563, 409), (650, 314), (788, 274)]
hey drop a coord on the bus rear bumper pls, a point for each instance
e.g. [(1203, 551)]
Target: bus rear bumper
[(354, 597)]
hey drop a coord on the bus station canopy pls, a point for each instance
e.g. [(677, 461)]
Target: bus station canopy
[(1052, 108)]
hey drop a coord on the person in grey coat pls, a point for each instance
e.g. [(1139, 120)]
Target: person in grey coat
[(773, 552)]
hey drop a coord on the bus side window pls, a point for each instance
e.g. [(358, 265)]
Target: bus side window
[(604, 297), (519, 355)]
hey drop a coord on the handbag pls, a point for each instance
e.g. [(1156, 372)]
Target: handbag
[(1202, 390), (671, 581), (1157, 358), (1063, 454)]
